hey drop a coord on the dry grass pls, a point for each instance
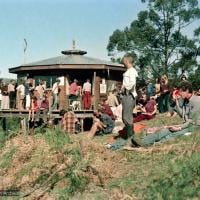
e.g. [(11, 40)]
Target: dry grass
[(89, 170)]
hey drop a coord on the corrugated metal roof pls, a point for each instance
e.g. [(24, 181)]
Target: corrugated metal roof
[(73, 60)]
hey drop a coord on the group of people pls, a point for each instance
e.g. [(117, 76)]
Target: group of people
[(127, 106), (24, 96), (181, 100), (37, 100)]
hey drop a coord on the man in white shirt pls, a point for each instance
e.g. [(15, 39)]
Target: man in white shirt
[(87, 94), (55, 91), (129, 89), (21, 92)]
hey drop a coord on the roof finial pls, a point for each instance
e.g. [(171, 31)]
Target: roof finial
[(73, 44)]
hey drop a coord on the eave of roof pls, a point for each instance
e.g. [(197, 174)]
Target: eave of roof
[(68, 62), (71, 67)]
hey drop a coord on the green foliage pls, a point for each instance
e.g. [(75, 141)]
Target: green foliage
[(180, 182), (6, 159), (157, 38), (77, 182), (56, 139), (3, 139)]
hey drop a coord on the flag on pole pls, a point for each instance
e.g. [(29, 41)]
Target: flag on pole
[(25, 45)]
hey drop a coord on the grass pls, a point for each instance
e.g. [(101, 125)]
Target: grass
[(56, 139), (36, 161), (163, 171), (6, 160)]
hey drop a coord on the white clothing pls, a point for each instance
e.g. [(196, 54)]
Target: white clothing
[(21, 89), (87, 87), (11, 87), (129, 80), (62, 78), (112, 100), (0, 96), (55, 88), (40, 90), (5, 104), (28, 102)]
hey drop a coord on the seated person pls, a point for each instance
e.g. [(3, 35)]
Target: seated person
[(175, 107), (44, 108), (34, 108), (106, 109), (146, 112), (112, 99), (69, 122), (103, 124), (190, 114)]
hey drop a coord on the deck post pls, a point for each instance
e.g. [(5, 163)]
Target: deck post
[(23, 125)]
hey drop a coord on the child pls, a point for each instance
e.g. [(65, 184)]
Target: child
[(34, 108)]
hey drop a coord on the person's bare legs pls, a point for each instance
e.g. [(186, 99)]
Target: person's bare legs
[(93, 130), (29, 115), (33, 115)]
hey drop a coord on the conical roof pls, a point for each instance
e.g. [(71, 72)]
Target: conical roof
[(71, 59)]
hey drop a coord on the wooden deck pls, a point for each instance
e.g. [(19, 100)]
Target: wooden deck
[(80, 114)]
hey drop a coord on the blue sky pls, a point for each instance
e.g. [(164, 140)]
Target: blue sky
[(49, 27)]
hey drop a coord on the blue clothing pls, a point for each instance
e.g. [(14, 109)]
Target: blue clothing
[(108, 122), (190, 113), (150, 90)]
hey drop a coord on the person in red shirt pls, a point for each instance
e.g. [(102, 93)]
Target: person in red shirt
[(74, 89), (148, 111), (106, 109)]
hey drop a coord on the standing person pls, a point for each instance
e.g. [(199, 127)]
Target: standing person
[(129, 88), (21, 95), (55, 91), (87, 94), (5, 97), (11, 92), (40, 91), (28, 93), (74, 89), (0, 94)]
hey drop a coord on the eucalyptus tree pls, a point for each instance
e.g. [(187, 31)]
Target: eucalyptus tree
[(158, 37)]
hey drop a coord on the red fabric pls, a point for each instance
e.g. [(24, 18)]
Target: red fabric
[(35, 105), (137, 129), (87, 100), (69, 121), (44, 104), (73, 88), (176, 93), (143, 117), (107, 110), (150, 106)]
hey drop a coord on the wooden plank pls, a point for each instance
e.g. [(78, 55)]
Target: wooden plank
[(81, 114)]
